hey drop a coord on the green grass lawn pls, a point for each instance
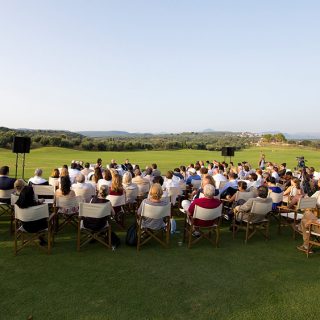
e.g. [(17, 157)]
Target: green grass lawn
[(50, 158), (260, 280)]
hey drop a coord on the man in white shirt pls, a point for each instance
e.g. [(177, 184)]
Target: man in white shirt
[(73, 172), (83, 189), (37, 179)]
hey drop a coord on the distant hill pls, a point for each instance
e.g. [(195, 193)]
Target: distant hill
[(102, 134)]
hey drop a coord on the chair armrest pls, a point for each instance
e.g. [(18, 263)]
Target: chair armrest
[(52, 215)]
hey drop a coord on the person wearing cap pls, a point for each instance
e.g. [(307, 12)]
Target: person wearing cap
[(192, 176), (37, 179)]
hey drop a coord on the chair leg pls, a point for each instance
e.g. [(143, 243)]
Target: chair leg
[(247, 233)]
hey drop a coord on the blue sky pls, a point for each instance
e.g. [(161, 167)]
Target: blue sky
[(153, 66)]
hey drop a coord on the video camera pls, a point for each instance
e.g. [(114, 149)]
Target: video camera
[(301, 162)]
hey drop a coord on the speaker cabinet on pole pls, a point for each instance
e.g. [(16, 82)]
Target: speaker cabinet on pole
[(21, 144), (227, 151)]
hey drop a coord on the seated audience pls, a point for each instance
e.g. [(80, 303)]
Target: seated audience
[(37, 179), (242, 211), (26, 200), (6, 183), (154, 199)]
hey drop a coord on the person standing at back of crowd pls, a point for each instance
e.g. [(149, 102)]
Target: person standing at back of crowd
[(262, 161)]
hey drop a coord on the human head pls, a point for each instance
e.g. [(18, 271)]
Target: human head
[(19, 184), (154, 166), (271, 180), (137, 172), (65, 185), (262, 192), (169, 174), (80, 178), (116, 184), (148, 171), (4, 171), (107, 175), (64, 172), (242, 185), (156, 192), (209, 191), (207, 179), (127, 178), (55, 173), (87, 165), (38, 172), (103, 191), (158, 179)]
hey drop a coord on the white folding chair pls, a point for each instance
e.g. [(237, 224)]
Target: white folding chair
[(154, 212), (292, 217), (27, 215), (45, 192), (118, 203), (256, 220), (94, 211), (67, 210), (203, 214)]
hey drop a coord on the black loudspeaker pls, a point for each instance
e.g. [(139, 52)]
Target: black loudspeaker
[(21, 144), (227, 151)]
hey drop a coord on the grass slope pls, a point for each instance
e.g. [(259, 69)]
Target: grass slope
[(260, 280), (49, 158)]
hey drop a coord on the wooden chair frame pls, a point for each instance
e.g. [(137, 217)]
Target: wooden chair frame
[(94, 210), (249, 225), (154, 212), (67, 218), (205, 232), (118, 201), (291, 217), (26, 238)]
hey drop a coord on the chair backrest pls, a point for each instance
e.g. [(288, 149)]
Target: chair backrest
[(173, 194), (14, 199), (95, 210), (244, 195), (155, 212), (196, 183), (143, 188), (307, 203), (261, 208), (117, 201), (182, 185), (131, 195), (207, 214), (66, 202), (276, 197), (6, 194), (40, 190), (85, 194), (32, 213), (221, 184), (54, 182)]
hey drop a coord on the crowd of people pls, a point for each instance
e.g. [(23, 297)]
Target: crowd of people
[(203, 183)]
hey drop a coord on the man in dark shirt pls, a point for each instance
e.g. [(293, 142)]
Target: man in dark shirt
[(6, 183)]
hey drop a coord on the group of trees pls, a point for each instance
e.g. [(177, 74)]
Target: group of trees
[(212, 141)]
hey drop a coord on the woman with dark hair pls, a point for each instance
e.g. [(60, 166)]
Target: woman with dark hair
[(65, 192), (26, 200)]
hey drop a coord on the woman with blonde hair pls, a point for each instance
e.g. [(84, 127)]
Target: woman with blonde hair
[(131, 189), (154, 199)]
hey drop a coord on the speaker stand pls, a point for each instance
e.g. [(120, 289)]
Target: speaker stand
[(23, 164)]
